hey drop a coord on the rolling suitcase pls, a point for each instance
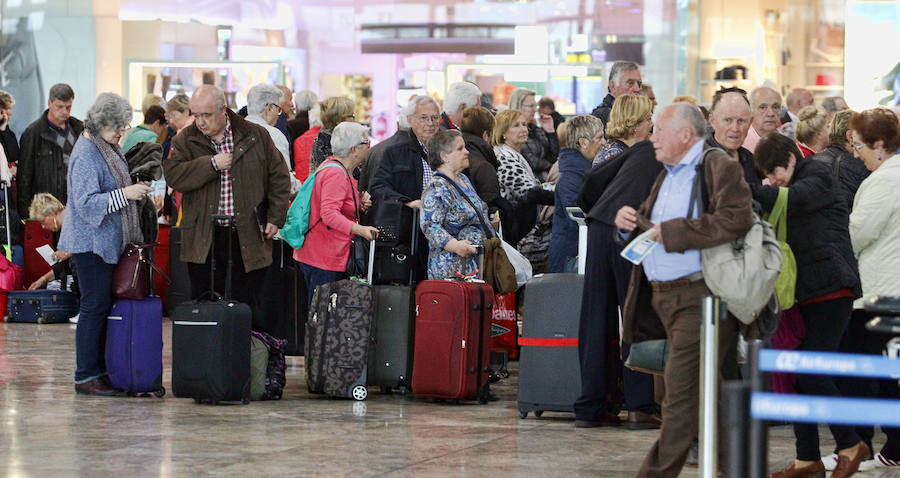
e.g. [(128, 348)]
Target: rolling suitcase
[(161, 259), (452, 340), (41, 306), (211, 343), (134, 346), (338, 337), (179, 287), (549, 369), (35, 236), (286, 311)]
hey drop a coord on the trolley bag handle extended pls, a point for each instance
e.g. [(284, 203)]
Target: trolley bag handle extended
[(577, 215), (6, 210), (228, 221)]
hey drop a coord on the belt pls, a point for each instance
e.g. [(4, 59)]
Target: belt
[(661, 286)]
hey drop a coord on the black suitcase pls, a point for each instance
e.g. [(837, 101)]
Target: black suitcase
[(211, 344), (285, 311), (391, 362), (179, 289)]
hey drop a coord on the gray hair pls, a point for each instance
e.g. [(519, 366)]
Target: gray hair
[(518, 96), (61, 92), (346, 136), (305, 100), (262, 95), (461, 93), (830, 103), (619, 67), (441, 142), (109, 109), (315, 116), (408, 110), (691, 115), (414, 103)]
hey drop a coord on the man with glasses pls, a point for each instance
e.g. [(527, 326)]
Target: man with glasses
[(730, 118), (765, 106), (263, 108), (223, 164), (45, 148)]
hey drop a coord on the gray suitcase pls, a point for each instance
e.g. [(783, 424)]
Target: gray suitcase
[(549, 370), (391, 362)]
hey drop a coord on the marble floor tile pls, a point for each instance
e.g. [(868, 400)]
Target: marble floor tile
[(47, 430)]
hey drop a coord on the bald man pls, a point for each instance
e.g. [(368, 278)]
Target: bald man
[(796, 100), (765, 105), (730, 118)]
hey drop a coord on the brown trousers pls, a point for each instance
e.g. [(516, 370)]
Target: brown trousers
[(679, 310)]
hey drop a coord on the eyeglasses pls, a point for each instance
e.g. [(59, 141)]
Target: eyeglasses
[(858, 146), (429, 119), (276, 107), (366, 143)]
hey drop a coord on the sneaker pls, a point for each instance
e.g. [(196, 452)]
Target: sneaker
[(881, 462), (73, 320), (830, 461)]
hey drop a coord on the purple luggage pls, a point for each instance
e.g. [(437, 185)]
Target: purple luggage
[(134, 346)]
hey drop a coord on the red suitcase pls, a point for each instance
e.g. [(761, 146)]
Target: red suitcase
[(451, 359), (35, 265)]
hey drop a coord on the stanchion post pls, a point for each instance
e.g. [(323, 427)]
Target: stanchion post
[(710, 312), (736, 400), (759, 432)]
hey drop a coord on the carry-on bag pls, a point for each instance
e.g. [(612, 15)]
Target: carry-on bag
[(338, 337), (211, 341), (179, 287), (35, 236), (134, 346), (549, 369), (452, 340), (267, 366), (41, 306), (285, 310), (396, 250)]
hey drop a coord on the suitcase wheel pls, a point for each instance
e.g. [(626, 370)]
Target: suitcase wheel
[(523, 415), (160, 393), (45, 319), (538, 413), (245, 401), (359, 392)]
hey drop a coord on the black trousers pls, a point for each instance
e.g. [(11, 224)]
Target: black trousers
[(825, 325), (858, 340), (605, 285), (245, 286)]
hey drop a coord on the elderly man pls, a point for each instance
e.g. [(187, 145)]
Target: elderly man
[(730, 117), (223, 164), (647, 90), (404, 173), (263, 108), (673, 267), (303, 102), (765, 104), (796, 100), (45, 148), (460, 95), (287, 112), (624, 77)]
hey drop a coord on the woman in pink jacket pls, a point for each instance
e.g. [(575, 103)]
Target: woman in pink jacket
[(334, 209)]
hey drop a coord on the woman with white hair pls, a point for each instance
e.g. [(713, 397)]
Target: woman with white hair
[(335, 209), (542, 146), (101, 218), (299, 124)]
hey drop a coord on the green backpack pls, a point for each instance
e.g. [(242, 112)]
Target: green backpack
[(787, 277), (296, 226)]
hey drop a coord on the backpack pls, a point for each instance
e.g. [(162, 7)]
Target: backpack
[(741, 272), (296, 226)]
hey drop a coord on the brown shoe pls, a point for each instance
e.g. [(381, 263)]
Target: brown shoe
[(96, 387), (815, 470), (848, 466), (643, 421)]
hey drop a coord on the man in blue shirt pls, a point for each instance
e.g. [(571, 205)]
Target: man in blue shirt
[(674, 270)]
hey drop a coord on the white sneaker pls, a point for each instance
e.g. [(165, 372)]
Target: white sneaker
[(881, 462), (867, 465), (73, 320), (830, 462)]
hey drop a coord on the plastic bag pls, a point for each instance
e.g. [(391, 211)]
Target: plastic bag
[(519, 263)]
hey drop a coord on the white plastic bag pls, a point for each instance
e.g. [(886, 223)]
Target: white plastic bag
[(519, 263)]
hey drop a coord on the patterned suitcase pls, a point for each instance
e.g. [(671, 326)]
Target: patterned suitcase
[(41, 306), (134, 346), (453, 339)]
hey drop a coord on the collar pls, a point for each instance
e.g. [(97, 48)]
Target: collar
[(449, 121), (690, 158), (54, 127)]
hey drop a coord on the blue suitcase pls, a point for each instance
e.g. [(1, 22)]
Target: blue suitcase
[(41, 306), (134, 346)]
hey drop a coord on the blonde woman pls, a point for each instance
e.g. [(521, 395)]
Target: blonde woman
[(48, 211), (542, 146), (812, 130), (630, 122), (333, 111)]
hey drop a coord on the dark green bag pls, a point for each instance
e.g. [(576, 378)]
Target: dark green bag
[(649, 356)]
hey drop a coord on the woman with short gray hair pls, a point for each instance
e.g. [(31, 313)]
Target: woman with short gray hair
[(101, 218), (334, 209)]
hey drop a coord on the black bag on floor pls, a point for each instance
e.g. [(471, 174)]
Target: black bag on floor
[(211, 343), (284, 311), (179, 281)]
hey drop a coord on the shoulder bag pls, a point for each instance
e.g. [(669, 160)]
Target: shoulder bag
[(786, 283), (131, 276)]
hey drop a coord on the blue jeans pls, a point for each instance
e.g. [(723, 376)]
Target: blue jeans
[(315, 277), (95, 278)]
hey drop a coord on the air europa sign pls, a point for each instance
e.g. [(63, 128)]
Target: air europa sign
[(793, 361)]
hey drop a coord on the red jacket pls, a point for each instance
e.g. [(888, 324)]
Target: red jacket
[(302, 150), (332, 214)]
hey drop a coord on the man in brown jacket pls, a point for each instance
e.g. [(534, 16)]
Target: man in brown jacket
[(223, 164), (674, 271)]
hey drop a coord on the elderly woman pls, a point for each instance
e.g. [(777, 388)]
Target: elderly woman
[(8, 142), (584, 136), (542, 146), (453, 216), (335, 209), (630, 122), (101, 218), (476, 126), (518, 184), (827, 282), (332, 112), (48, 211), (849, 170), (875, 232), (812, 130)]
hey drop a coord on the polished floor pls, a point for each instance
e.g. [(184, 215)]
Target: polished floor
[(47, 430)]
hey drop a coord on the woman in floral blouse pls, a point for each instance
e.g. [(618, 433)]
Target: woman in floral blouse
[(449, 218)]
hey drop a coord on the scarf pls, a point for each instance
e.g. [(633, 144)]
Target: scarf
[(131, 228)]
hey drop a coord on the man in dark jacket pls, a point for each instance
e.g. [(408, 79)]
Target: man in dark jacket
[(460, 95), (45, 148), (624, 77), (225, 165), (622, 181), (730, 118)]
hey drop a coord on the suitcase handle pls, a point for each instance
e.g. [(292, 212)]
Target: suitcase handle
[(229, 220)]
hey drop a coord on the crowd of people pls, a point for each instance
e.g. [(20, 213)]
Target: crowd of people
[(474, 170)]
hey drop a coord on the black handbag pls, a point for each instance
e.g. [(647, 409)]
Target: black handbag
[(358, 260), (649, 356)]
